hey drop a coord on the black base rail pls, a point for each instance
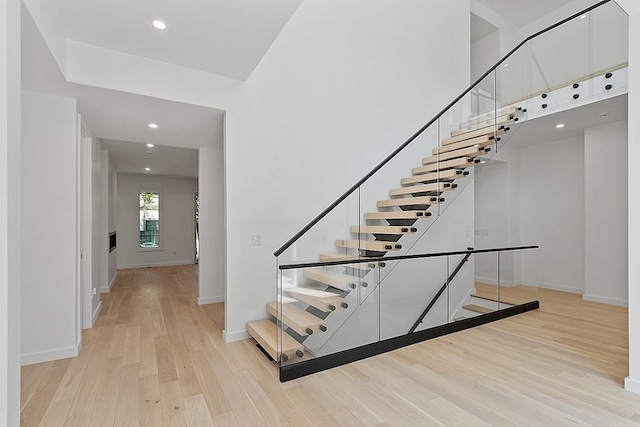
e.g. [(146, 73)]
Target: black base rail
[(440, 292), (322, 363)]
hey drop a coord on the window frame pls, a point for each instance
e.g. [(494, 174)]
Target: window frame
[(160, 247)]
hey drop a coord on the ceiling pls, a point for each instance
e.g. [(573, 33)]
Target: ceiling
[(522, 12), (205, 35), (123, 117), (130, 157)]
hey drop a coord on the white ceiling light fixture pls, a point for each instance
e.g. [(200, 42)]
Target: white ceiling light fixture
[(150, 145), (559, 125), (153, 125), (147, 169), (159, 25)]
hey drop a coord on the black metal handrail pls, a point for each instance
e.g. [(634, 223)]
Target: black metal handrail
[(340, 199), (295, 266)]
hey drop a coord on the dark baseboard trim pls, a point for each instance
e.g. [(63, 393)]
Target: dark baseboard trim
[(322, 363)]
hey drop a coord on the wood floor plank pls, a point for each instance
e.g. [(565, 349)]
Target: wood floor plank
[(212, 390), (188, 381), (197, 412), (172, 404), (127, 405), (150, 402), (164, 360)]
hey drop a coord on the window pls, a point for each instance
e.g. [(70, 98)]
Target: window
[(149, 219)]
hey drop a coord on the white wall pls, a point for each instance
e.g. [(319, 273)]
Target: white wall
[(10, 213), (632, 382), (344, 84), (212, 258), (176, 220), (97, 214), (508, 32), (552, 214), (48, 231), (112, 206), (606, 267), (491, 185), (103, 239), (484, 54), (92, 217), (108, 260)]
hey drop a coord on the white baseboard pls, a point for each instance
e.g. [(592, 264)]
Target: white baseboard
[(632, 385), (154, 264), (493, 281), (210, 300), (235, 336), (48, 356), (605, 300), (110, 285), (555, 287), (550, 286), (96, 313)]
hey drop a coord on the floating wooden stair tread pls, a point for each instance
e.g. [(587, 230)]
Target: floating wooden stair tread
[(449, 174), (465, 152), (411, 201), (322, 300), (494, 298), (485, 123), (493, 113), (355, 259), (462, 162), (480, 141), (396, 215), (344, 282), (374, 229), (265, 332), (369, 245), (425, 188), (303, 322), (478, 309), (474, 133)]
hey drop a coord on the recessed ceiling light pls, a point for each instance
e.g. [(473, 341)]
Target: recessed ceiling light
[(560, 125), (150, 145), (147, 169), (159, 25), (153, 125), (506, 65)]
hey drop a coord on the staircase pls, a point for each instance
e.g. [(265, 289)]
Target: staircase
[(320, 301), (325, 290)]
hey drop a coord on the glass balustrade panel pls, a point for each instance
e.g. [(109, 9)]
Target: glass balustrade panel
[(413, 290)]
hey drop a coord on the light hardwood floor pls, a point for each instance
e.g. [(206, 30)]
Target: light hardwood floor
[(156, 358)]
